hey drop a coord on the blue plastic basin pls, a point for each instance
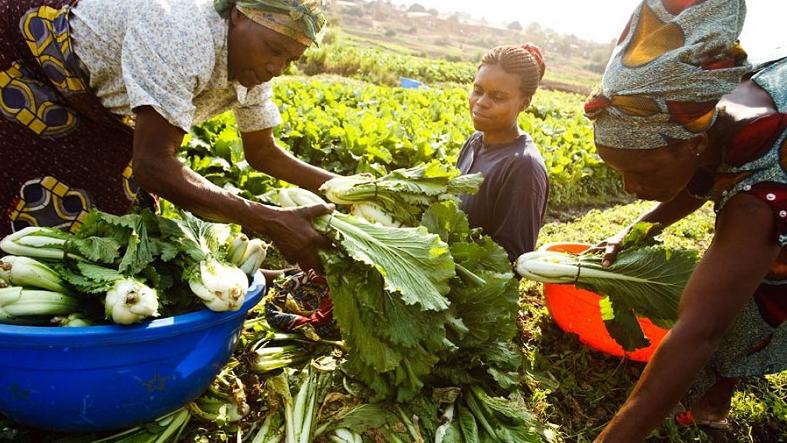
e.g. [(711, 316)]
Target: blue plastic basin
[(408, 83), (99, 378)]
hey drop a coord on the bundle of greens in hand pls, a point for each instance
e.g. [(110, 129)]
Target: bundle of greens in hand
[(646, 279), (425, 302), (400, 197)]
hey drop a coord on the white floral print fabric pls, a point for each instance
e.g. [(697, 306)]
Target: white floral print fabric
[(168, 54)]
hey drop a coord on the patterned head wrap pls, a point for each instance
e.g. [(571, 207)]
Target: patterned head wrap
[(673, 62), (301, 20)]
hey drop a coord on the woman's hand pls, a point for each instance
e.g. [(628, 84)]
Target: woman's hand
[(292, 232), (611, 247)]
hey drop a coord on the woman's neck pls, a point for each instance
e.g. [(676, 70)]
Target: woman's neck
[(503, 136)]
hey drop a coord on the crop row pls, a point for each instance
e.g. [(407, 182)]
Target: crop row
[(349, 127)]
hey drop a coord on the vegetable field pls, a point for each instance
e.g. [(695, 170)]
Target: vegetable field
[(562, 390), (349, 127)]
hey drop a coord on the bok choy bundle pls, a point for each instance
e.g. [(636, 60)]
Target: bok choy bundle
[(646, 280), (126, 268), (388, 287), (401, 196), (429, 304)]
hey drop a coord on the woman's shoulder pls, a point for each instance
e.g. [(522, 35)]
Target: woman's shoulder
[(525, 162), (187, 26), (772, 78), (472, 143), (527, 153)]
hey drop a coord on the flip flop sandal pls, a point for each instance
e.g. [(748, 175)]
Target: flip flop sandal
[(686, 418)]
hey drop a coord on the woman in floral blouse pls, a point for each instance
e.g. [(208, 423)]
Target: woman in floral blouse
[(70, 72), (685, 119)]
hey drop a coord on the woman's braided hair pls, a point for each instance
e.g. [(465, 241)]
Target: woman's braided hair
[(526, 61)]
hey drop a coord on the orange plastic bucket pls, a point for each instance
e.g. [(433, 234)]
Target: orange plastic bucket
[(577, 311)]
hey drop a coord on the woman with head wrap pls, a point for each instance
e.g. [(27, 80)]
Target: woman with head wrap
[(685, 119), (511, 202), (70, 72)]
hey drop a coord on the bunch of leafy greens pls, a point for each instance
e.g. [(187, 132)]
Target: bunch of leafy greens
[(407, 315), (139, 260), (388, 287), (646, 279), (403, 194), (484, 302)]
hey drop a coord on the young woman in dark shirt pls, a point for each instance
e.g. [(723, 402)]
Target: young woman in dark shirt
[(512, 200)]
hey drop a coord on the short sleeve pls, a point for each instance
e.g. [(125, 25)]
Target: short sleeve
[(520, 205), (775, 196), (258, 111), (167, 58)]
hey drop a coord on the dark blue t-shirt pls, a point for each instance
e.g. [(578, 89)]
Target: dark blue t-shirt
[(511, 202)]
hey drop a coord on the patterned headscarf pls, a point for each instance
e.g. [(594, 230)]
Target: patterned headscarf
[(673, 62), (300, 20)]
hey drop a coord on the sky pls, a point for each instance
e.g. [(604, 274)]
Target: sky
[(603, 20)]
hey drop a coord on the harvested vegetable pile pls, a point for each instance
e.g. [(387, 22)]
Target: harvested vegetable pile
[(124, 269), (426, 312)]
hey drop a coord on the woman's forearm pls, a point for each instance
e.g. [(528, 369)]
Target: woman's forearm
[(266, 156), (172, 180), (285, 166), (740, 255), (158, 170), (670, 372), (670, 212)]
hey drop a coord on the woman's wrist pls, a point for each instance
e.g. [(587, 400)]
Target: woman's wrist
[(254, 216)]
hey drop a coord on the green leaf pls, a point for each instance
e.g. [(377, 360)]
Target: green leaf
[(345, 282), (447, 221), (622, 325), (467, 424), (650, 279), (89, 278), (508, 418), (364, 417), (411, 261), (129, 231), (641, 234), (98, 249)]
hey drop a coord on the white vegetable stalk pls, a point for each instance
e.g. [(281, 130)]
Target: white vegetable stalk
[(374, 214), (335, 187), (275, 357), (254, 256), (295, 197), (30, 273), (218, 409), (237, 249), (559, 267), (35, 242), (130, 301), (247, 254), (221, 287), (447, 418), (220, 233), (17, 303), (344, 435), (72, 321)]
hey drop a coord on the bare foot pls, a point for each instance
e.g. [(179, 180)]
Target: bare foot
[(714, 405)]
